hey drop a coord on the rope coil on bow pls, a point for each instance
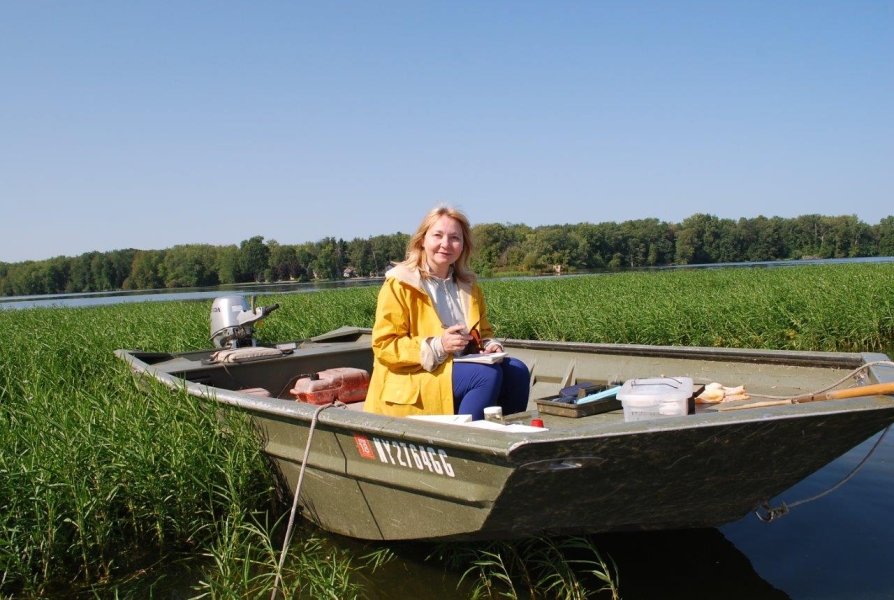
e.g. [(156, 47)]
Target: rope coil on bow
[(772, 513)]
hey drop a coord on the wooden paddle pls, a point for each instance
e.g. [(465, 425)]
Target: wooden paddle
[(854, 392)]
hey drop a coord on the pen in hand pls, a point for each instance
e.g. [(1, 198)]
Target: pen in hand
[(455, 338)]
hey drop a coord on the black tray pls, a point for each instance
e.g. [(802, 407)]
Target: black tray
[(548, 406)]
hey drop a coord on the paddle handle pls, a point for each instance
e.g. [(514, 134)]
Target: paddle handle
[(854, 392), (875, 389)]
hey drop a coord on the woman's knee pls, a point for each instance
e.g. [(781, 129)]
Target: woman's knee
[(516, 386), (472, 376), (516, 372)]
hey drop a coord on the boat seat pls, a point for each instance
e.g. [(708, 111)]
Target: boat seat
[(256, 391), (238, 355)]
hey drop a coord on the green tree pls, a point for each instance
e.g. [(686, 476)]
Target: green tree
[(554, 246), (191, 265), (701, 239), (306, 254), (228, 265), (79, 278), (647, 242), (284, 263), (886, 236), (496, 243), (360, 256), (144, 271), (254, 258), (595, 243), (849, 237), (326, 264), (806, 236), (25, 279), (765, 240), (102, 272)]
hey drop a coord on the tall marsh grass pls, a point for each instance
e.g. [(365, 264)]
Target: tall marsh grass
[(566, 568), (848, 308), (102, 478)]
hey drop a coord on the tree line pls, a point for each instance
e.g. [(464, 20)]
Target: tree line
[(501, 248)]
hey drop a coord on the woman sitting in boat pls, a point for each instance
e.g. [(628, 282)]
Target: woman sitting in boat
[(430, 310)]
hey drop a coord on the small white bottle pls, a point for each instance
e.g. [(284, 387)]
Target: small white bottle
[(493, 414)]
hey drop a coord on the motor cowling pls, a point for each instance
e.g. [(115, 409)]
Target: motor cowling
[(233, 321)]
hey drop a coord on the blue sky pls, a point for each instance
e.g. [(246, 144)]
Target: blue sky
[(151, 124)]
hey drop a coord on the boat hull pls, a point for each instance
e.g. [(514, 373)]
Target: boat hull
[(381, 478)]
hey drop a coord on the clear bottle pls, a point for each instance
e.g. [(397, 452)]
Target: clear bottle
[(493, 414)]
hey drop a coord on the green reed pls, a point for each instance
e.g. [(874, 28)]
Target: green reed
[(97, 472), (567, 568), (827, 308), (103, 476)]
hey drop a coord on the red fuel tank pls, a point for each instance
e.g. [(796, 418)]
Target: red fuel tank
[(345, 384)]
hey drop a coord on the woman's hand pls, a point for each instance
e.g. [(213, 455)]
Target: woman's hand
[(455, 338), (492, 347)]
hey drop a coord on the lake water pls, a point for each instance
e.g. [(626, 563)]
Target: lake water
[(161, 295), (840, 545)]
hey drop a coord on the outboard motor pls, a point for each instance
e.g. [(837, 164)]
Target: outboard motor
[(232, 321)]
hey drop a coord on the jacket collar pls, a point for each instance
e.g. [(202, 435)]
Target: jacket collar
[(411, 277)]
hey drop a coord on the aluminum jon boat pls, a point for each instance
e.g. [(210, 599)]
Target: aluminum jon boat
[(590, 469)]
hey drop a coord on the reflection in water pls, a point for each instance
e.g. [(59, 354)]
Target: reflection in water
[(693, 564)]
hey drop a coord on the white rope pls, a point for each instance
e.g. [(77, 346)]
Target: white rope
[(285, 543), (853, 373), (783, 509)]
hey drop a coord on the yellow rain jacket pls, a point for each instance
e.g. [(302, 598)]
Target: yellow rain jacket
[(406, 378)]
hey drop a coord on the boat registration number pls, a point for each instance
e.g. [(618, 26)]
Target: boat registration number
[(406, 455)]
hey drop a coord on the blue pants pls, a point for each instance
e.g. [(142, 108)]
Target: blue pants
[(476, 386)]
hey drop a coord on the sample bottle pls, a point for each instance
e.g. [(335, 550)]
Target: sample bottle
[(494, 414)]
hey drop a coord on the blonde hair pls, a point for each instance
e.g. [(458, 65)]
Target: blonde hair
[(462, 271)]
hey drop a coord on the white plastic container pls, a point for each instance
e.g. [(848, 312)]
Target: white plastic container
[(655, 397)]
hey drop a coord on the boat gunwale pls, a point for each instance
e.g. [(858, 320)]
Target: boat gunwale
[(793, 357)]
